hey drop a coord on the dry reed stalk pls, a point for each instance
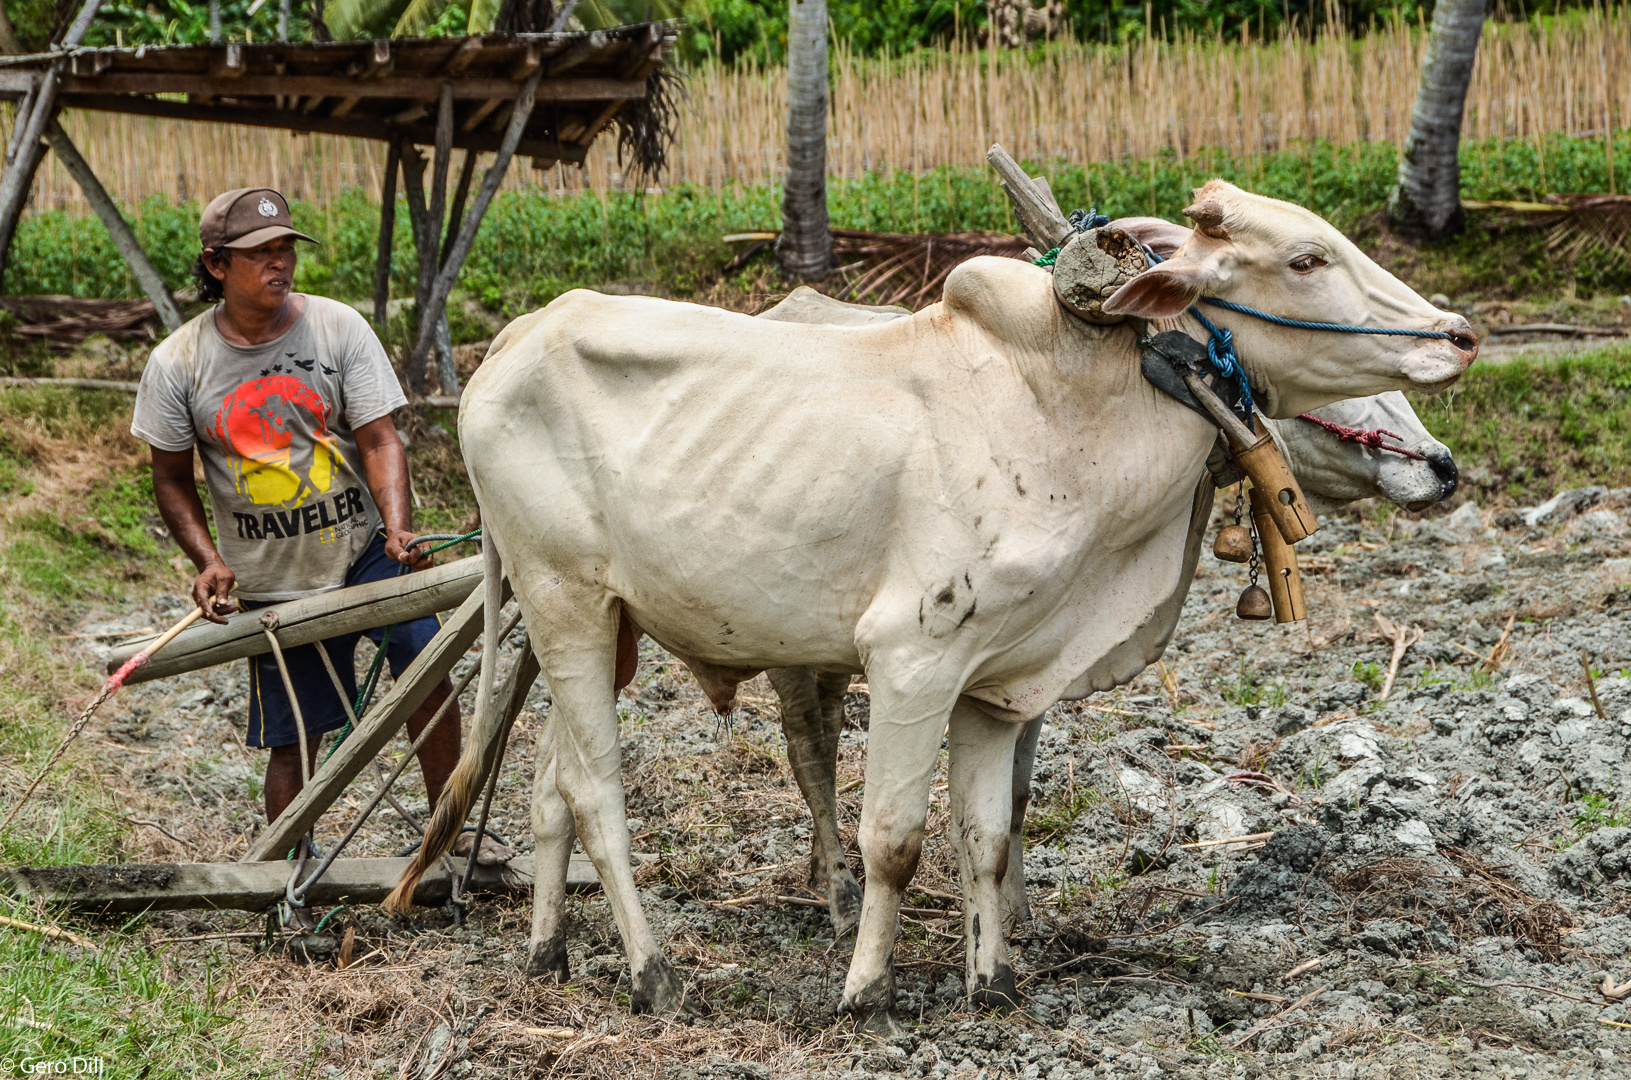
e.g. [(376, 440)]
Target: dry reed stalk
[(1075, 101)]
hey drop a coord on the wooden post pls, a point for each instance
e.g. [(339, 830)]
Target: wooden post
[(467, 232), (1044, 225), (19, 175), (430, 236), (375, 730), (387, 234), (124, 237), (461, 194), (313, 618)]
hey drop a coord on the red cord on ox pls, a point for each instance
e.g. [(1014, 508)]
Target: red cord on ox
[(1364, 438)]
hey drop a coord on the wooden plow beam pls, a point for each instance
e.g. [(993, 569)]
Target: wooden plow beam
[(314, 618), (257, 886)]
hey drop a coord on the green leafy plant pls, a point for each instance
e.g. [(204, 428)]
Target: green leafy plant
[(1367, 672)]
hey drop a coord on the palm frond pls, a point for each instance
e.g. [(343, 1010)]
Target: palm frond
[(419, 17), (354, 19)]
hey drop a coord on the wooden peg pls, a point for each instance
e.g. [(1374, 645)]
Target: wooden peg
[(1279, 561)]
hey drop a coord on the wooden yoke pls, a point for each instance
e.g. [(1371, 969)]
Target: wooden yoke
[(1279, 558), (1255, 451)]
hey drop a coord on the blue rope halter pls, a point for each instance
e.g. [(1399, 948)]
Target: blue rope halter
[(1220, 345)]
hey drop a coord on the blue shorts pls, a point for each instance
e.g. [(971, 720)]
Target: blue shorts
[(271, 721)]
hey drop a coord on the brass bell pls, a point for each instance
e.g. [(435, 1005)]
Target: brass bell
[(1255, 604), (1234, 544)]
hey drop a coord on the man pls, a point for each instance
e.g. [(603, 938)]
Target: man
[(287, 398)]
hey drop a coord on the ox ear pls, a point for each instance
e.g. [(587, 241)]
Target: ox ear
[(1163, 291)]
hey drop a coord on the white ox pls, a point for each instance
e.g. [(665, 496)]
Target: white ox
[(1331, 471), (982, 507)]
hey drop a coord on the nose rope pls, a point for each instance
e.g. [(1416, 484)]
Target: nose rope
[(1220, 350), (1372, 439)]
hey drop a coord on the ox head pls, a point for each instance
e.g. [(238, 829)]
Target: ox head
[(1334, 472), (1283, 259)]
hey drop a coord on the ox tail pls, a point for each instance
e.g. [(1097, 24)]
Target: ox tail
[(460, 794)]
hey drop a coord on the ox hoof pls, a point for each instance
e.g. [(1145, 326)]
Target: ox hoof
[(657, 989), (844, 903), (873, 1007), (996, 992), (547, 960)]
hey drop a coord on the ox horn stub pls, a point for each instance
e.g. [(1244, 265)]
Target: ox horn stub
[(1208, 218), (1091, 267)]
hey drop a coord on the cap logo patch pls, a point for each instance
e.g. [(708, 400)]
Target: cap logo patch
[(267, 208)]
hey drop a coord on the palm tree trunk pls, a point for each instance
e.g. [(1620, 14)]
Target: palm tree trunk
[(805, 247), (1426, 203)]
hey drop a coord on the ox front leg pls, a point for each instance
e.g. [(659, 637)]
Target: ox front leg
[(583, 721), (1013, 882), (903, 745), (981, 793), (553, 828), (812, 719)]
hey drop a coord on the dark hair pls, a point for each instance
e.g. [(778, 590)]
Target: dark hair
[(209, 286)]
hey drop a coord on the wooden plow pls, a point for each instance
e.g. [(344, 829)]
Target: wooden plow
[(277, 868)]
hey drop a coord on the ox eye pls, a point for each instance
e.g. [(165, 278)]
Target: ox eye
[(1307, 264)]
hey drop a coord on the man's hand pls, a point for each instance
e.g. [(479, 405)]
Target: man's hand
[(396, 549), (211, 589)]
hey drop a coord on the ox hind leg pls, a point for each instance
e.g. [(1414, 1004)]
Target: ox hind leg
[(1013, 882), (812, 719), (981, 792), (578, 653), (554, 831)]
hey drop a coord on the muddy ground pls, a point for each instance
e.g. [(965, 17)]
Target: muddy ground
[(1447, 883)]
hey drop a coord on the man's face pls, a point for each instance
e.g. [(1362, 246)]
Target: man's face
[(260, 276)]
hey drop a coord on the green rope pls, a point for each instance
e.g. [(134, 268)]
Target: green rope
[(1047, 260)]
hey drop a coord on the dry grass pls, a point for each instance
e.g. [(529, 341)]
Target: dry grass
[(1070, 100)]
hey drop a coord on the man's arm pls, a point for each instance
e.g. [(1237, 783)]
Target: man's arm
[(386, 468), (183, 514)]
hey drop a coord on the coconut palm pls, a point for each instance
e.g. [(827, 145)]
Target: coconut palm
[(805, 247), (1426, 202)]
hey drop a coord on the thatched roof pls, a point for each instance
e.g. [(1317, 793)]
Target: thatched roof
[(383, 89)]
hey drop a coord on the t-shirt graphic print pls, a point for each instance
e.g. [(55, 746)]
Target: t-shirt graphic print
[(274, 426)]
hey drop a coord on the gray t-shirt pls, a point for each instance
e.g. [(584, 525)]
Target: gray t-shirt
[(274, 425)]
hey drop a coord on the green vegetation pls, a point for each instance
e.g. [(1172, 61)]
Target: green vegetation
[(1528, 430), (1598, 811), (119, 1004), (533, 246)]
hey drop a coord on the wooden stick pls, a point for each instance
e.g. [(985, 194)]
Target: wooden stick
[(1497, 653), (1591, 684), (387, 234), (1044, 225), (124, 238), (49, 931), (1401, 638), (1264, 1024), (1248, 838), (73, 384), (1302, 969)]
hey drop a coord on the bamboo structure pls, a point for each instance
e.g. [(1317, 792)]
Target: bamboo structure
[(1069, 101)]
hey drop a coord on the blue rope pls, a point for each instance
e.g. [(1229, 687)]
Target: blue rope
[(1340, 328), (1220, 346)]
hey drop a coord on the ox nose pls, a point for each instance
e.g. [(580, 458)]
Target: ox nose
[(1461, 336), (1443, 466)]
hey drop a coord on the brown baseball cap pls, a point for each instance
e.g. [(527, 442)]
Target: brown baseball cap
[(246, 218)]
